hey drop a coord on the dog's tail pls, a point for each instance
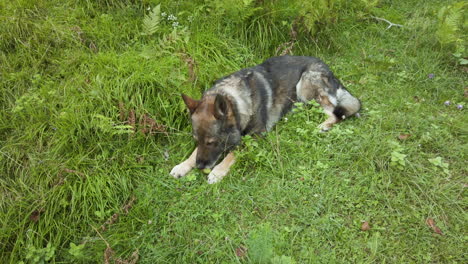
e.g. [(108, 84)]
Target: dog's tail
[(347, 106)]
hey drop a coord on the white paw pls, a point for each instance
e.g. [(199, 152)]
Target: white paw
[(216, 175), (180, 170), (324, 127)]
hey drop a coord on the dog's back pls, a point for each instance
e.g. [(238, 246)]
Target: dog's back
[(264, 93)]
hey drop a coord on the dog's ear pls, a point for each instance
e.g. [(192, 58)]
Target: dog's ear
[(221, 107), (249, 77), (326, 80), (330, 81), (191, 103)]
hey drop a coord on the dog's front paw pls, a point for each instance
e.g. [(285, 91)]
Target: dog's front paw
[(180, 170), (324, 127), (216, 175)]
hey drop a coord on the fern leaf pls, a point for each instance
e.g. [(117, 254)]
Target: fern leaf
[(451, 23), (151, 21)]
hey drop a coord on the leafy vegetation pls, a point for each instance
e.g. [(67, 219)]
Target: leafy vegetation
[(452, 28), (91, 122)]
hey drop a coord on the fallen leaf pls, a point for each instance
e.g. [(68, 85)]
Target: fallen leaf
[(36, 215), (241, 251), (431, 223), (404, 136), (365, 226)]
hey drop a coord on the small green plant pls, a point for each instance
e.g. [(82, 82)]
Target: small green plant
[(398, 159), (40, 255), (261, 247), (76, 250), (101, 214), (298, 107), (106, 125), (439, 163), (172, 35), (260, 244)]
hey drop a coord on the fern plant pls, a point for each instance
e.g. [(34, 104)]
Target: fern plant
[(315, 13), (151, 21), (234, 11), (452, 28)]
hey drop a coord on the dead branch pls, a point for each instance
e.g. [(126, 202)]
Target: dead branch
[(390, 24)]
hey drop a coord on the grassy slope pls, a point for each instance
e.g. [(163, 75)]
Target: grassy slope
[(295, 193)]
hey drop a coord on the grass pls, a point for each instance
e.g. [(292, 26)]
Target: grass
[(78, 185)]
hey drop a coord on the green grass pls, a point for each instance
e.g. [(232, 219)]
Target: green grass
[(69, 161)]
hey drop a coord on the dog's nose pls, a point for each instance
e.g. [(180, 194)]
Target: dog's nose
[(201, 164)]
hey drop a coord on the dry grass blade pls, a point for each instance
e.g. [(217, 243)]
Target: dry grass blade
[(132, 119), (126, 208), (191, 67), (122, 112)]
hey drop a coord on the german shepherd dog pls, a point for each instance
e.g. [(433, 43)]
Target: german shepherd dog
[(251, 101)]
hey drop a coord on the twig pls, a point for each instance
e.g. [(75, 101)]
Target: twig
[(99, 234), (390, 24)]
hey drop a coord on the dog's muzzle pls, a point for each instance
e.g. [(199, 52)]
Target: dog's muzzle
[(202, 164)]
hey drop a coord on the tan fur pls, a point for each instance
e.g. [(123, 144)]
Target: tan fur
[(184, 167), (220, 170), (328, 109)]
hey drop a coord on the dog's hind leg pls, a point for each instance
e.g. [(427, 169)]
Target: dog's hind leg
[(312, 86), (345, 105), (328, 108), (185, 167), (336, 101), (221, 169)]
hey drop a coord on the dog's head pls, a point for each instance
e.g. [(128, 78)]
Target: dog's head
[(214, 128)]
